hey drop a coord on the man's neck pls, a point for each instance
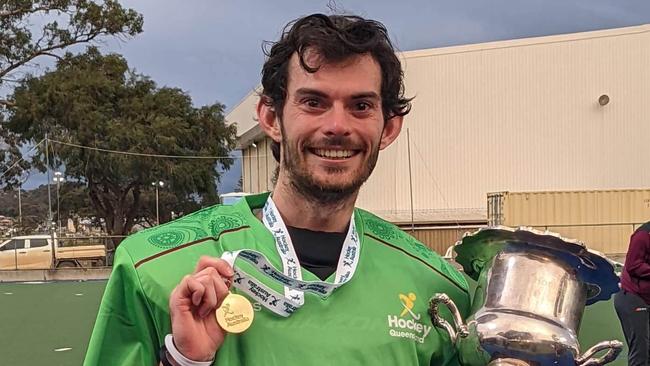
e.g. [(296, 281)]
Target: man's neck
[(301, 212)]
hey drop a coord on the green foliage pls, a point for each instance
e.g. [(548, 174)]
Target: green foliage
[(30, 29), (96, 100), (65, 23), (12, 168), (34, 208)]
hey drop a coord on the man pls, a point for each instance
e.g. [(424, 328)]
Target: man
[(332, 99), (632, 301)]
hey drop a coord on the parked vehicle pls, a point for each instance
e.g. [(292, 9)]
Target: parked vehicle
[(35, 252)]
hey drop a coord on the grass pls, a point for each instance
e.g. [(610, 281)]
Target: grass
[(37, 319), (600, 323)]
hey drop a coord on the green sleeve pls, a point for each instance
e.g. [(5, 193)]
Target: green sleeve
[(124, 332)]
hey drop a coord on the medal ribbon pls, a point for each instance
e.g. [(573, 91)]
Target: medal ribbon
[(291, 277)]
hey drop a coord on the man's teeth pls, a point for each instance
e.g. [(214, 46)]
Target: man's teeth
[(334, 153)]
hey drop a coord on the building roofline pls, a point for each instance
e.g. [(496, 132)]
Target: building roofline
[(244, 138), (523, 42), (256, 89), (247, 138)]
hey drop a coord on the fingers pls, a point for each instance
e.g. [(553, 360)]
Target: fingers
[(205, 290), (193, 290), (219, 264), (216, 291)]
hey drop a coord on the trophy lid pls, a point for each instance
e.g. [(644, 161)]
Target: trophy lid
[(476, 250)]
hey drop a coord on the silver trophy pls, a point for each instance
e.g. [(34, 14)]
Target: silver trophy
[(532, 290)]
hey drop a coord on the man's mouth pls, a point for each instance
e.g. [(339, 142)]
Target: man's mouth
[(334, 153)]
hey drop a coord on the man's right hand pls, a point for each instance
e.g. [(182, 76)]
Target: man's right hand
[(192, 305)]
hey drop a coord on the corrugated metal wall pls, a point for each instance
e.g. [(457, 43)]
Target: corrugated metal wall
[(603, 220), (259, 166), (439, 239), (517, 115)]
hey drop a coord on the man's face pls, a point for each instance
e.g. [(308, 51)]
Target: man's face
[(332, 126)]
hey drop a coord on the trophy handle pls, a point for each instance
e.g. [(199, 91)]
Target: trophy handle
[(440, 322), (614, 347)]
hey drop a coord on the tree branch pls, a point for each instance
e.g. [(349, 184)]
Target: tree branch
[(52, 55), (131, 214), (7, 103), (47, 50), (22, 11), (94, 197)]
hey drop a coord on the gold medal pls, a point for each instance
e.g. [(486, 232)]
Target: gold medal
[(235, 314)]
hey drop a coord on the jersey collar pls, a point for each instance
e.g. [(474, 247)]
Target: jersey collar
[(264, 236)]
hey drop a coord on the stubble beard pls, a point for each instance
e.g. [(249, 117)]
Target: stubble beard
[(307, 186)]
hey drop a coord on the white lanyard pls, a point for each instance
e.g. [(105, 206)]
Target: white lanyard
[(294, 286)]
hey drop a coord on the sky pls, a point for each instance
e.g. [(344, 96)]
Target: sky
[(212, 49)]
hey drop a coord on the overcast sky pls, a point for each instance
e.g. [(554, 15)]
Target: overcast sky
[(212, 48)]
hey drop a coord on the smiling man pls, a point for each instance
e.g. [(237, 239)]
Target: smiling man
[(330, 129), (329, 284)]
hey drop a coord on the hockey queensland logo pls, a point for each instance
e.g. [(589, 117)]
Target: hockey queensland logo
[(406, 324)]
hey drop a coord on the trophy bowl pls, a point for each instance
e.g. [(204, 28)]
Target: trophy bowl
[(532, 291)]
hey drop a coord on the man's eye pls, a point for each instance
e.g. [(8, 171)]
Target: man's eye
[(312, 103), (363, 106)]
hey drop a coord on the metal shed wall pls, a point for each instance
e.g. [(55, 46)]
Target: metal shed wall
[(519, 115), (603, 220)]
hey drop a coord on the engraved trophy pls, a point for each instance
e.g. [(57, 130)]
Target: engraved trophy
[(532, 290)]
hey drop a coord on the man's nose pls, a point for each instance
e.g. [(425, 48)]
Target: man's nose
[(337, 122)]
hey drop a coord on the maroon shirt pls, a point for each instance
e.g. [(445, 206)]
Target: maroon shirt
[(636, 271)]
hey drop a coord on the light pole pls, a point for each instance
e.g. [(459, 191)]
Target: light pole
[(58, 178), (157, 184), (22, 181), (20, 208)]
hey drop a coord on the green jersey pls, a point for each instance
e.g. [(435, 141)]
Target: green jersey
[(379, 317)]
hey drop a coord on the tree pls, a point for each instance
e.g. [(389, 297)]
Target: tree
[(64, 23), (95, 100), (240, 185), (69, 22), (34, 208), (12, 166)]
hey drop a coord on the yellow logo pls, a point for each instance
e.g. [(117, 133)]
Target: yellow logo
[(408, 301), (226, 309), (403, 326)]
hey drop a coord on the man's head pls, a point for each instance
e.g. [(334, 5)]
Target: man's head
[(332, 98)]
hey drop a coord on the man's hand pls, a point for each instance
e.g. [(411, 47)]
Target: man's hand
[(192, 305)]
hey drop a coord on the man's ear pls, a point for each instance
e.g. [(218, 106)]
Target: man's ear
[(267, 119), (392, 128)]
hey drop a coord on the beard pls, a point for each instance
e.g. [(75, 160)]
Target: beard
[(325, 193)]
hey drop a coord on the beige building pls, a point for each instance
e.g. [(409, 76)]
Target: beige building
[(567, 112)]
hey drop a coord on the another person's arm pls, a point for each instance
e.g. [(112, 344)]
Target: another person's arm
[(636, 262)]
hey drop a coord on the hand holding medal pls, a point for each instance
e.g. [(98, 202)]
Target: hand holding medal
[(197, 302)]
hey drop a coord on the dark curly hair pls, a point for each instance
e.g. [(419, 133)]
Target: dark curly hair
[(335, 38)]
